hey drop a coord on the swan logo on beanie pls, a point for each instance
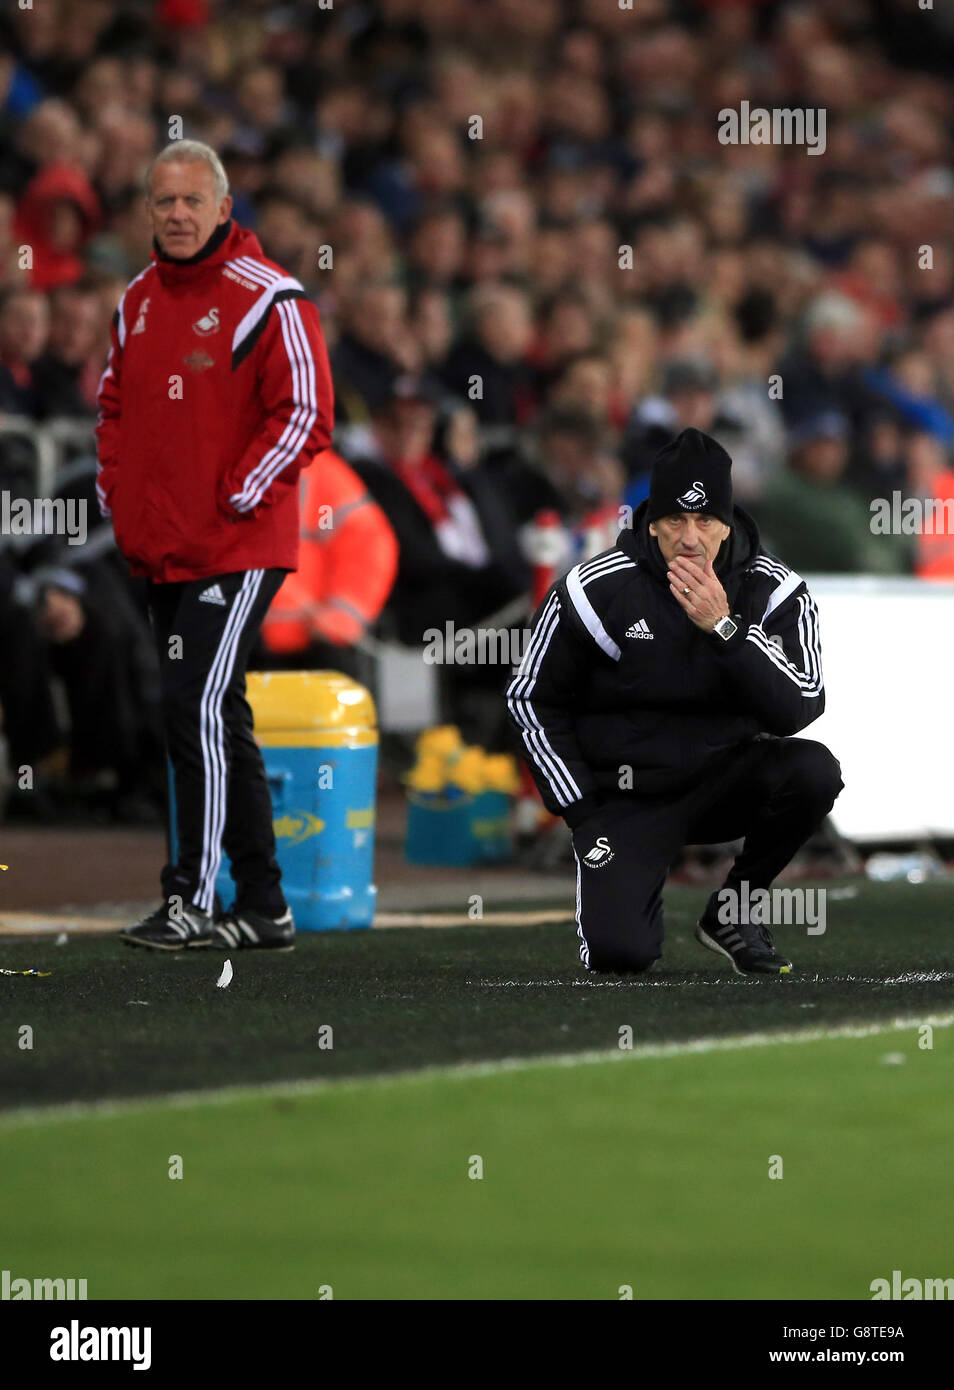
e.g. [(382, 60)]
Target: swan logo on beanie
[(693, 473), (694, 498)]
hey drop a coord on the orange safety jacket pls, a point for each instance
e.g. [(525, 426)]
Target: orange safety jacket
[(935, 545), (347, 563)]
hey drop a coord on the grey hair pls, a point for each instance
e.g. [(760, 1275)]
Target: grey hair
[(190, 152)]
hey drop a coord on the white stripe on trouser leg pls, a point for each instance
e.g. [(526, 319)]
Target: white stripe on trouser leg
[(213, 772), (212, 737), (585, 948), (213, 764)]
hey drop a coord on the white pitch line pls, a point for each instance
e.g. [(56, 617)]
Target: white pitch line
[(228, 1095), (519, 917), (32, 924), (35, 924), (913, 977)]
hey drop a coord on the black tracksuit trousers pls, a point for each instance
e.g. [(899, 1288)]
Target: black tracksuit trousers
[(204, 631), (773, 792)]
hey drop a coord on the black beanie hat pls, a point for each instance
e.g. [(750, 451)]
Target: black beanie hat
[(692, 474)]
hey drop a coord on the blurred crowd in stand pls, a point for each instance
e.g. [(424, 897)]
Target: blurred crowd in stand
[(534, 260)]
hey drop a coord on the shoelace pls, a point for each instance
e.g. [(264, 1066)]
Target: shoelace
[(756, 933)]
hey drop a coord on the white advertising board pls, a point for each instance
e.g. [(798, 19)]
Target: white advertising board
[(888, 661)]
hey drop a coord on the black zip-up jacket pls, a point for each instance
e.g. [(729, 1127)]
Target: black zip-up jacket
[(615, 676)]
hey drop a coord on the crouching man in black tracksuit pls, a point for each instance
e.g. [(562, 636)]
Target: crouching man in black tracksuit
[(655, 701)]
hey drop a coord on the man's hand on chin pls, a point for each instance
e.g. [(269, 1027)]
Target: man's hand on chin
[(698, 592)]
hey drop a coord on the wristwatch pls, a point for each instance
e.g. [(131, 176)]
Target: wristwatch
[(726, 627)]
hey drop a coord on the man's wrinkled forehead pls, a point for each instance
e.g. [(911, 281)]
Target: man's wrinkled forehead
[(192, 177)]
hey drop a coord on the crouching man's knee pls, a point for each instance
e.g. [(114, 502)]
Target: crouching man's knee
[(815, 774)]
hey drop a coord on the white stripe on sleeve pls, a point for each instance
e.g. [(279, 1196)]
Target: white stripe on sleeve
[(302, 419), (781, 593), (558, 775), (589, 616), (809, 680)]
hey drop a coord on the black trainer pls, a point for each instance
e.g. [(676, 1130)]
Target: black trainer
[(750, 948), (246, 930), (172, 927)]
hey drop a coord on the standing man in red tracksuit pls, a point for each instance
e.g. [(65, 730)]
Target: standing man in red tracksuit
[(216, 394)]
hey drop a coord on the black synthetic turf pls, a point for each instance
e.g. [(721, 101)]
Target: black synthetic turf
[(111, 1022)]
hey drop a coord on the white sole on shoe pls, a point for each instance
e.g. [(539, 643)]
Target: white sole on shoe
[(254, 946), (152, 945), (704, 939)]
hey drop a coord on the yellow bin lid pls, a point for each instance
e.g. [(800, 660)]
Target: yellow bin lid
[(287, 701)]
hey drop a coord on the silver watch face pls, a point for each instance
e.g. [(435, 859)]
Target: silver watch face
[(726, 628)]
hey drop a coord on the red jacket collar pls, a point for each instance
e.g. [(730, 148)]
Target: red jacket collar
[(225, 243)]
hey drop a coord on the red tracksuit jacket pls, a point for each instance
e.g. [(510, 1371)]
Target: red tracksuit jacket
[(217, 392)]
